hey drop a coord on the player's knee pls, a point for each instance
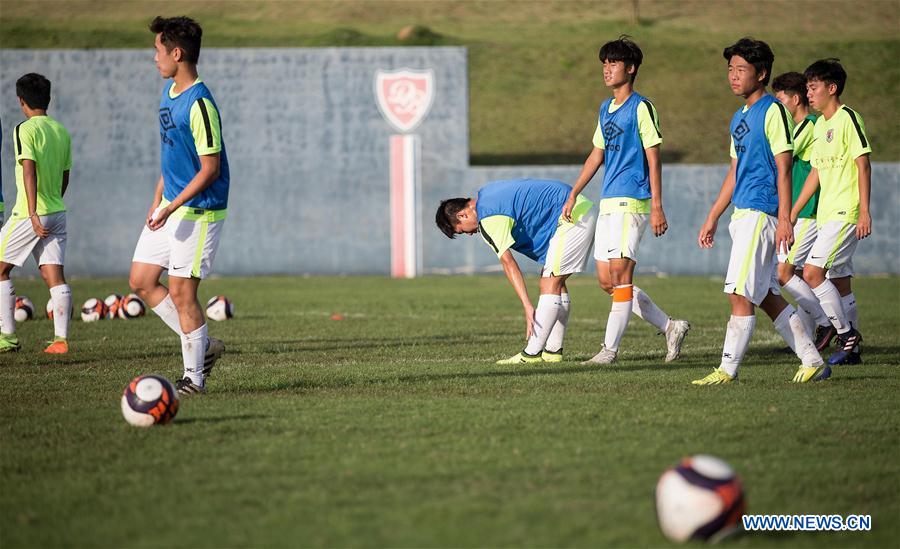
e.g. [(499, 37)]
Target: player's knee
[(812, 276)]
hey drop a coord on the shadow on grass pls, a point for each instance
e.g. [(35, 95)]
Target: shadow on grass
[(220, 419)]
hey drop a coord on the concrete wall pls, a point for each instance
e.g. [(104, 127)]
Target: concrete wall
[(309, 162)]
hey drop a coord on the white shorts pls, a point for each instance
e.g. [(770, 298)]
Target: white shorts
[(570, 245), (186, 246), (834, 247), (619, 235), (804, 235), (752, 269), (18, 239)]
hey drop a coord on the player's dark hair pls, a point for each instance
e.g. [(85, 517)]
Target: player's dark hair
[(623, 49), (34, 89), (446, 215), (828, 71), (182, 32), (791, 83), (755, 52)]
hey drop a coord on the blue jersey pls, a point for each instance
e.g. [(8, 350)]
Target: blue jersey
[(756, 180), (534, 205), (626, 173), (179, 145)]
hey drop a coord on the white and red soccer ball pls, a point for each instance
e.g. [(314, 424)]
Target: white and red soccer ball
[(112, 302), (219, 308), (93, 310), (149, 400), (131, 306), (24, 309), (701, 498)]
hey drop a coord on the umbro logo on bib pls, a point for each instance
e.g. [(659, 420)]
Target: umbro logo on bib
[(742, 130), (611, 131)]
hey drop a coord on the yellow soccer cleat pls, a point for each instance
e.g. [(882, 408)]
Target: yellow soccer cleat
[(9, 343), (549, 356), (717, 377), (812, 373), (521, 358)]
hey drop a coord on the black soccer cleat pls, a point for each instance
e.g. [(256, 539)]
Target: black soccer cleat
[(187, 387), (846, 344), (824, 335)]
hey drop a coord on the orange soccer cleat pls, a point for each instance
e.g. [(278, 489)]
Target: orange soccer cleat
[(57, 347)]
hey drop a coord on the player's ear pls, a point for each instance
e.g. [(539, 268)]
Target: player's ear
[(177, 54), (630, 69), (832, 88)]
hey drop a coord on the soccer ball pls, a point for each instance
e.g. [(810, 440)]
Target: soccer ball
[(701, 498), (131, 306), (93, 310), (219, 308), (112, 302), (50, 309), (149, 400), (24, 309)]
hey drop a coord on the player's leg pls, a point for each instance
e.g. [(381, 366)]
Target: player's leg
[(546, 315), (50, 255), (621, 271), (9, 342), (17, 240), (789, 264), (553, 349), (151, 258), (841, 276), (794, 333)]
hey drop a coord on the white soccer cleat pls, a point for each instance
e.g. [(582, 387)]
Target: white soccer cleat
[(605, 356), (675, 333)]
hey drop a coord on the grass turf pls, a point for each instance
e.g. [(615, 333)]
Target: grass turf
[(393, 427), (535, 80)]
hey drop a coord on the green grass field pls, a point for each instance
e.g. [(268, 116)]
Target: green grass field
[(534, 77), (393, 427)]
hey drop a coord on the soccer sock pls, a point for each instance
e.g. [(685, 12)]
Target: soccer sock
[(193, 347), (791, 328), (623, 296), (7, 307), (545, 317), (555, 340), (806, 299), (62, 306), (166, 310), (830, 300), (737, 339), (644, 307), (849, 303)]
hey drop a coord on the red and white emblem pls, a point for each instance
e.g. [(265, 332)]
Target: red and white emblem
[(829, 135), (404, 96)]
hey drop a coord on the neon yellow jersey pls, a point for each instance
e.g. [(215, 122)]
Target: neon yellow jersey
[(207, 132), (838, 143), (648, 126), (46, 142), (496, 231), (775, 131)]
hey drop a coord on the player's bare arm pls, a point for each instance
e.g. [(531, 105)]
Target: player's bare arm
[(864, 223), (784, 232), (708, 232), (514, 275), (29, 176), (209, 172), (809, 189), (590, 167), (657, 216)]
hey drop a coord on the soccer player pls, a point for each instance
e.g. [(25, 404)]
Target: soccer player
[(525, 215), (37, 225), (759, 185), (184, 223), (627, 139), (790, 90), (840, 167)]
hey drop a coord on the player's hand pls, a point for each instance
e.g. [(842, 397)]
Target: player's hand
[(529, 323), (567, 208), (864, 225), (784, 236), (151, 212), (707, 233), (158, 217), (39, 229), (658, 222)]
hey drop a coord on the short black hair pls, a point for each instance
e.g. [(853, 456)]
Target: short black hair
[(623, 49), (755, 52), (792, 83), (34, 89), (182, 32), (446, 215), (829, 71)]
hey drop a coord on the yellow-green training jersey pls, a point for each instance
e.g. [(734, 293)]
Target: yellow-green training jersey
[(46, 142), (837, 144)]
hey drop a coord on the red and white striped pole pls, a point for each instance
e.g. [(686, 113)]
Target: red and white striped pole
[(405, 256)]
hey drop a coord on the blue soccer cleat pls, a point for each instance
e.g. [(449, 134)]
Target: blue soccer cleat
[(846, 344)]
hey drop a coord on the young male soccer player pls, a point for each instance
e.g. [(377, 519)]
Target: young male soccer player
[(185, 220), (525, 215), (790, 90), (759, 185), (37, 225), (627, 139), (840, 166)]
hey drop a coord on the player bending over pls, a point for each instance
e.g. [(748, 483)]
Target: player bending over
[(525, 215)]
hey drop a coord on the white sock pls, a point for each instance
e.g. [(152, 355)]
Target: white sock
[(544, 319), (644, 307), (849, 303), (737, 339), (623, 298), (166, 310), (193, 347), (830, 300), (791, 328), (7, 307), (806, 300), (62, 306), (555, 341)]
